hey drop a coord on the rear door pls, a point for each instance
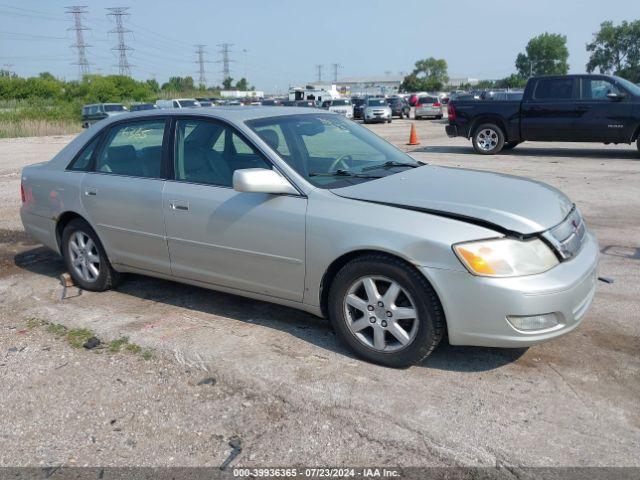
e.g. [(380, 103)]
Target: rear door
[(601, 118), (122, 195), (550, 111)]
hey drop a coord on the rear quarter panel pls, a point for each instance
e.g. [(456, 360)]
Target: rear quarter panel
[(506, 114)]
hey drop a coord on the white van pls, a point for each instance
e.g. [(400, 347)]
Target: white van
[(178, 103)]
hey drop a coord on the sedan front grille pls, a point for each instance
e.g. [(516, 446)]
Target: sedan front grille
[(567, 237)]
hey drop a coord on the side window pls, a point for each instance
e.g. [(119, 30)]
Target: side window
[(176, 104), (209, 152), (597, 89), (133, 149), (554, 89), (82, 162)]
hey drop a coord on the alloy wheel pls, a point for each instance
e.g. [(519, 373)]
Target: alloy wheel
[(487, 139), (381, 314), (84, 255)]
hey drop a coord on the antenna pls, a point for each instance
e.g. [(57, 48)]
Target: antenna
[(118, 13), (78, 11)]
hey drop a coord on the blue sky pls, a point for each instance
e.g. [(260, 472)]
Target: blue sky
[(279, 42)]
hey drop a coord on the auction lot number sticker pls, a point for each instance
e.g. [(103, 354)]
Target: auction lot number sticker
[(316, 472)]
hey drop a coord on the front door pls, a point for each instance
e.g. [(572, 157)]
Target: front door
[(248, 241), (602, 118), (551, 110), (122, 195)]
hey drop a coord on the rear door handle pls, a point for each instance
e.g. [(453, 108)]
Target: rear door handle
[(176, 205), (91, 192)]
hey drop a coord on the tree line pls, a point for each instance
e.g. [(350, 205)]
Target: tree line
[(615, 50)]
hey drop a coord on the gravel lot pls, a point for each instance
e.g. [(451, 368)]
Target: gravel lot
[(285, 387)]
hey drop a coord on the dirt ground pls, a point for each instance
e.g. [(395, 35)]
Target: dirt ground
[(285, 388)]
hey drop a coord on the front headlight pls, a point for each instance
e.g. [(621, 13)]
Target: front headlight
[(506, 257)]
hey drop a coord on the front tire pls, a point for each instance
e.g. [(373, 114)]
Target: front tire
[(488, 139), (385, 311), (86, 259)]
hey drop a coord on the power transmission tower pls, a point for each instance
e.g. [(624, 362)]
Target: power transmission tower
[(336, 67), (202, 80), (225, 60), (78, 11), (319, 70), (119, 13)]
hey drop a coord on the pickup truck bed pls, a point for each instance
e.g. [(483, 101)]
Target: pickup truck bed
[(570, 108)]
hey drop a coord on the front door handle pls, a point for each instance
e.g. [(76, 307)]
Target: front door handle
[(91, 192), (182, 206)]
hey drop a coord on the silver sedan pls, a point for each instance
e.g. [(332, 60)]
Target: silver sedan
[(310, 210)]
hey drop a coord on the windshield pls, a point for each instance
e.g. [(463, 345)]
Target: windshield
[(114, 108), (633, 89), (376, 102), (329, 150), (339, 103)]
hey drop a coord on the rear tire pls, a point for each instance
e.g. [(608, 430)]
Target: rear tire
[(396, 339), (488, 139), (86, 259)]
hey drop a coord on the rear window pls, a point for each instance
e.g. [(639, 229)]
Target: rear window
[(339, 103), (114, 108), (554, 89), (427, 100), (188, 103), (375, 102)]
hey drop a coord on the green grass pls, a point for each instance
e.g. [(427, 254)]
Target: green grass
[(116, 345), (77, 337)]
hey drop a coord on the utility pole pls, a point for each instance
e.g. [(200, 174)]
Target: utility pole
[(336, 67), (319, 69), (200, 61), (78, 11), (225, 49), (119, 13)]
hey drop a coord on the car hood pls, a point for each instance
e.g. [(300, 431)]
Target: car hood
[(503, 202)]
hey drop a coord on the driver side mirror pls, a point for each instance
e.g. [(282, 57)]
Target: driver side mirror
[(615, 96), (261, 180)]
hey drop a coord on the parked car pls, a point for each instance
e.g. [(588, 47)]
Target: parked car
[(428, 107), (137, 107), (358, 107), (305, 103), (98, 111), (399, 107), (569, 108), (272, 102), (204, 102), (178, 103), (327, 218), (376, 110), (343, 106)]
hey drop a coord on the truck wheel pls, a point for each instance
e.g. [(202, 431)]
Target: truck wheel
[(510, 145), (488, 139), (385, 311)]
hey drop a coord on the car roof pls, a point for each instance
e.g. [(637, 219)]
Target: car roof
[(230, 113)]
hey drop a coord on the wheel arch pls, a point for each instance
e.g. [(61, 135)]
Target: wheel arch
[(335, 266), (62, 221), (498, 121)]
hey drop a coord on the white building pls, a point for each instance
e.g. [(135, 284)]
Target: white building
[(376, 85), (241, 94), (456, 82)]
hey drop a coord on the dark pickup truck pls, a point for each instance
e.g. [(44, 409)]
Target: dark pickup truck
[(568, 108)]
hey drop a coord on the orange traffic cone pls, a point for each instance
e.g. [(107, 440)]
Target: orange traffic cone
[(413, 136)]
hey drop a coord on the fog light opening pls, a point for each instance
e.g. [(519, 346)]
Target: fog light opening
[(530, 323)]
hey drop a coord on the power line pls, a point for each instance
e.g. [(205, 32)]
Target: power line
[(119, 13), (200, 61), (319, 70), (225, 60), (78, 11)]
